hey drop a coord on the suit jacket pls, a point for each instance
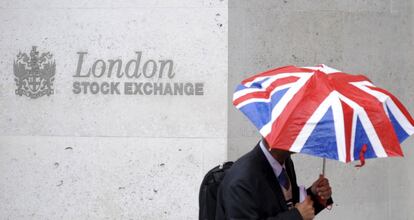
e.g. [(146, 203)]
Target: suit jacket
[(250, 190)]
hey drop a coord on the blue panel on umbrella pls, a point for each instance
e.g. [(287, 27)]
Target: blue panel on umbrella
[(322, 141), (241, 87), (256, 85), (260, 112), (361, 138), (399, 131)]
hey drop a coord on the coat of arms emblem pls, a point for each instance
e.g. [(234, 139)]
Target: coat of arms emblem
[(34, 74)]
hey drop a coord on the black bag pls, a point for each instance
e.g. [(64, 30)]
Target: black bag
[(208, 191)]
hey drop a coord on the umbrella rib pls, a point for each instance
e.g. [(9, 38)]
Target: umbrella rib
[(339, 124)]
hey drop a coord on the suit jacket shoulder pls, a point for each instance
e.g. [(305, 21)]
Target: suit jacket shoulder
[(250, 190)]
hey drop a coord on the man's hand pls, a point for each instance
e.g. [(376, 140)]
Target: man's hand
[(306, 209), (322, 188)]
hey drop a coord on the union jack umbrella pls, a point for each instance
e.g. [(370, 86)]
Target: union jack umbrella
[(324, 112)]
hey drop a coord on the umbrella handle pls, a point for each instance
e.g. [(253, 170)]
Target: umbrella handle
[(323, 202), (323, 166)]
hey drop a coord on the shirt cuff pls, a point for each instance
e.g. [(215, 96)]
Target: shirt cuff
[(302, 193)]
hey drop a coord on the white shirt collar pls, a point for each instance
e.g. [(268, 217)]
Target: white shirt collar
[(276, 166)]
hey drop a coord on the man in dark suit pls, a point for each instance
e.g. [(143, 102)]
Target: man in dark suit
[(262, 185)]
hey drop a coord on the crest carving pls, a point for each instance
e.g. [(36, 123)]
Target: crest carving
[(34, 73)]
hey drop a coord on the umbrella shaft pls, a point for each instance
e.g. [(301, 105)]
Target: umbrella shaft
[(323, 166)]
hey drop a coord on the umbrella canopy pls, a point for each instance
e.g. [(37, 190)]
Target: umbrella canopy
[(324, 112)]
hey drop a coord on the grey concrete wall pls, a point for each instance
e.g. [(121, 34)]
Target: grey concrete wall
[(96, 156), (370, 37)]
